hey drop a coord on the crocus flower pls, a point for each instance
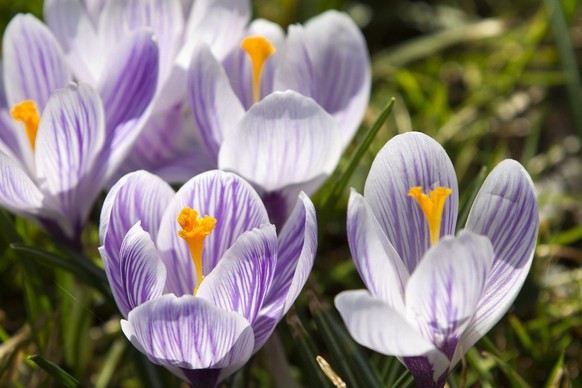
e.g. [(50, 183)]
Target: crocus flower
[(431, 295), (200, 275), (282, 141), (326, 60), (58, 146), (87, 30)]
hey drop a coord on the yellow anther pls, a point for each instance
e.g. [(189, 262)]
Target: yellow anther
[(432, 206), (194, 230), (259, 50), (26, 113)]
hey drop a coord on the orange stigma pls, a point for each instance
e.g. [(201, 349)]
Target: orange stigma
[(194, 230), (26, 113), (259, 50), (432, 206)]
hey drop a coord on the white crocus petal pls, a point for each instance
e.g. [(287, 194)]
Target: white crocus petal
[(231, 16), (73, 28), (142, 273), (169, 148), (295, 70), (215, 107), (13, 140), (18, 192), (164, 18), (241, 279), (279, 142), (127, 92), (505, 210), (69, 140), (446, 286), (127, 203), (224, 196), (406, 161), (34, 64), (328, 60), (378, 263), (297, 248), (189, 333), (375, 325)]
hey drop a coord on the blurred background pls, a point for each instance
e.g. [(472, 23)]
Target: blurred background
[(489, 79)]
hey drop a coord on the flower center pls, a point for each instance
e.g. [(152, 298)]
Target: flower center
[(26, 113), (194, 230), (432, 206), (259, 50)]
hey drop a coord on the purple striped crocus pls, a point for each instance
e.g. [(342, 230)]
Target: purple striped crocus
[(251, 122), (59, 142), (88, 30), (430, 295), (200, 276)]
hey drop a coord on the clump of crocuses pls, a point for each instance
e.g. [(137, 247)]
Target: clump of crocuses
[(431, 295), (201, 276)]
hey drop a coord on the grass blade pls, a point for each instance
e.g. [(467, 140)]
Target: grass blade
[(342, 180), (62, 377)]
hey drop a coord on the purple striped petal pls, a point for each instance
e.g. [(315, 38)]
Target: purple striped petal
[(409, 160), (169, 148), (95, 8), (127, 92), (297, 248), (137, 197), (70, 138), (279, 142), (34, 65), (73, 28), (189, 332), (331, 64), (446, 286), (242, 277), (378, 263), (224, 196), (375, 325), (141, 271), (505, 210), (18, 192), (215, 107), (238, 65), (296, 70), (164, 18), (218, 23), (13, 139)]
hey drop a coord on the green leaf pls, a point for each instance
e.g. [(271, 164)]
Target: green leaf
[(39, 309), (110, 363), (567, 54), (556, 373), (467, 200), (75, 306), (349, 363), (515, 379), (340, 183), (524, 337), (62, 377), (307, 351), (81, 268)]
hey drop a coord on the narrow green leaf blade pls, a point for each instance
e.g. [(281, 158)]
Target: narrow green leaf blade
[(62, 377)]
